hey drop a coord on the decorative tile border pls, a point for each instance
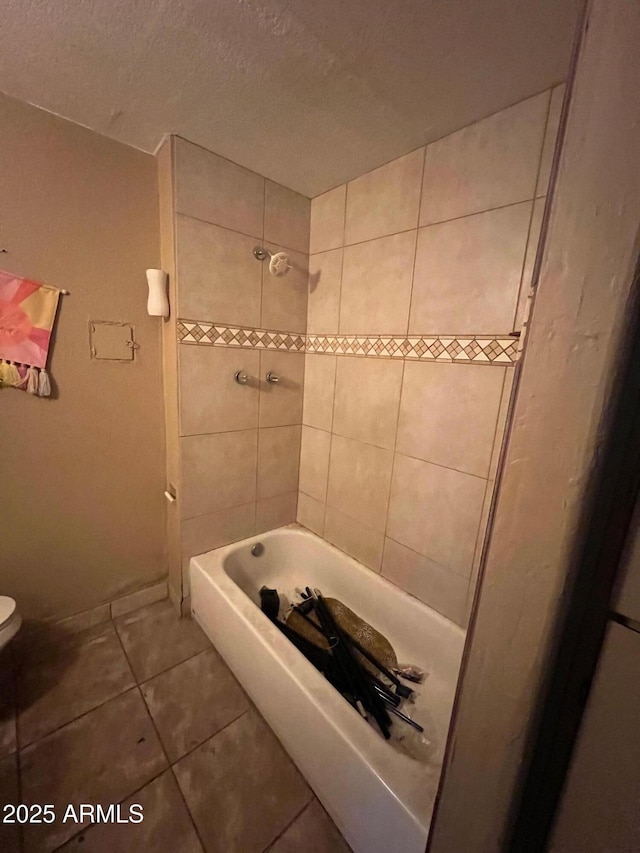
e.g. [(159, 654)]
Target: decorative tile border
[(485, 349), (210, 334), (489, 349)]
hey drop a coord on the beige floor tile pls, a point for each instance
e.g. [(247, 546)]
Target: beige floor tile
[(218, 471), (9, 793), (376, 286), (435, 511), (166, 828), (491, 163), (276, 511), (281, 401), (278, 460), (286, 217), (327, 220), (314, 462), (319, 383), (218, 278), (385, 200), (241, 787), (467, 273), (192, 701), (367, 399), (448, 414), (210, 398), (312, 832), (217, 190), (60, 683), (156, 638), (325, 283), (440, 588), (359, 481), (102, 757)]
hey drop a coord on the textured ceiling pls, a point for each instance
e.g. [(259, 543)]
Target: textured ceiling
[(309, 93)]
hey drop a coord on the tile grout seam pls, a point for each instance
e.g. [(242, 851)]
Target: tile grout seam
[(169, 766)]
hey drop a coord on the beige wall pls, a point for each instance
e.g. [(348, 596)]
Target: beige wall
[(398, 456), (238, 446), (81, 473)]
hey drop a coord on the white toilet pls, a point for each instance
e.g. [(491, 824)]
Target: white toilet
[(10, 620)]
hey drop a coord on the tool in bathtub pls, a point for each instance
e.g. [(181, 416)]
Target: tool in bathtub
[(373, 646), (335, 661), (410, 672), (323, 630)]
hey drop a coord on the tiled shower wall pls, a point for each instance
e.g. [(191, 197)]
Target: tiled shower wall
[(233, 450), (398, 456)]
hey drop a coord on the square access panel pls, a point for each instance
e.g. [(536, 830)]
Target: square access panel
[(111, 341)]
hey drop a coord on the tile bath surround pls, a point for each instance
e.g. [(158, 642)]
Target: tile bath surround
[(419, 271), (234, 449)]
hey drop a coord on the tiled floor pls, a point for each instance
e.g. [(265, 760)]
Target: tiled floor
[(143, 710)]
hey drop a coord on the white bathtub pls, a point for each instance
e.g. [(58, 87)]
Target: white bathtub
[(380, 799)]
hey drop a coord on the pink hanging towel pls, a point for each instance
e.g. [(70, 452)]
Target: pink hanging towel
[(27, 314)]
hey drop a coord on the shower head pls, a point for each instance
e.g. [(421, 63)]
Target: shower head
[(278, 261)]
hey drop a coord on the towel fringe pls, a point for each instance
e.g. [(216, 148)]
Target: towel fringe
[(32, 380), (13, 375), (44, 386)]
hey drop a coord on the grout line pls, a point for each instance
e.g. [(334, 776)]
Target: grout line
[(404, 362), (444, 136), (170, 767), (393, 459), (408, 455), (335, 368), (342, 249), (476, 213), (489, 488), (429, 224), (333, 412), (533, 205), (145, 681), (291, 822), (180, 791), (444, 568), (92, 825), (415, 247), (44, 737), (264, 220), (239, 165), (236, 506), (257, 452), (181, 214), (162, 746), (210, 737)]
